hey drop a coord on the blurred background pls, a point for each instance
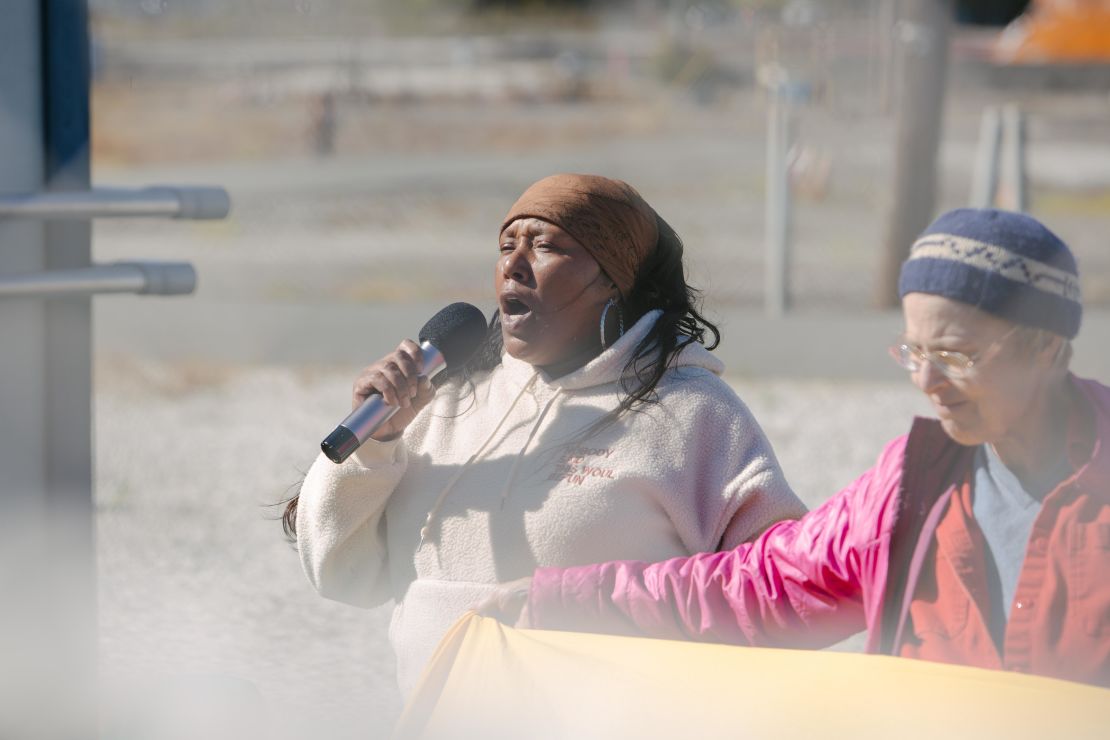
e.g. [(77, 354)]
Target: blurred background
[(371, 149)]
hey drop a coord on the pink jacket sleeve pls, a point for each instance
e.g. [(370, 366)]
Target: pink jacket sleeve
[(802, 583)]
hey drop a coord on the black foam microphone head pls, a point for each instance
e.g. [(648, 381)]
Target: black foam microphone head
[(456, 331)]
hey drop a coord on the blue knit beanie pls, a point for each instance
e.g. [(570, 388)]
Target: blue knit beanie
[(1007, 264)]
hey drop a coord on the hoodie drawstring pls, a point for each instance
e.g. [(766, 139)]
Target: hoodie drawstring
[(426, 529), (520, 455)]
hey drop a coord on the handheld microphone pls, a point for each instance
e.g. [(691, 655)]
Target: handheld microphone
[(449, 338)]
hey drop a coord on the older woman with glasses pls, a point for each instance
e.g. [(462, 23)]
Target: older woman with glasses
[(981, 537)]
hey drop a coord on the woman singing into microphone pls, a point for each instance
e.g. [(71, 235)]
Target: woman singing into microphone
[(591, 426)]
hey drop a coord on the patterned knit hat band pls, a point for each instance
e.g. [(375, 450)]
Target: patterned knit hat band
[(1006, 264)]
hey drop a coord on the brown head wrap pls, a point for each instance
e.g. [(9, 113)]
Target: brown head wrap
[(607, 217)]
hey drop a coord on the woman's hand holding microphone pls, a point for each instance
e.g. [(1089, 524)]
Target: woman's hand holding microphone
[(397, 378)]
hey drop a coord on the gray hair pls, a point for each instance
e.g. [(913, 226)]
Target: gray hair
[(1033, 339)]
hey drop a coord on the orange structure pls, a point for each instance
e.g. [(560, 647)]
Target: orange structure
[(1057, 31)]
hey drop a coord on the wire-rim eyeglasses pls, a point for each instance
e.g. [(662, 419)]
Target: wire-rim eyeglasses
[(954, 365)]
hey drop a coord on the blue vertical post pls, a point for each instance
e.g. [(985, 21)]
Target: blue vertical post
[(68, 322), (67, 411)]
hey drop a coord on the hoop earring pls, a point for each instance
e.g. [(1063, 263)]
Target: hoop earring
[(620, 320)]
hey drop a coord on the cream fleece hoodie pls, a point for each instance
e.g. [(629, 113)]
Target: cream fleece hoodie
[(498, 483)]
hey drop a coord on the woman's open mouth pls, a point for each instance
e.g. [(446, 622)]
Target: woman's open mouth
[(514, 312)]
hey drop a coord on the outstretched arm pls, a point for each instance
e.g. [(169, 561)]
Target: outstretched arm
[(801, 583)]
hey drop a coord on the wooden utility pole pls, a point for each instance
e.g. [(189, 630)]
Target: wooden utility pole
[(921, 45)]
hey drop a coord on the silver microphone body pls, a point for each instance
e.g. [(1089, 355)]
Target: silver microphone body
[(353, 431)]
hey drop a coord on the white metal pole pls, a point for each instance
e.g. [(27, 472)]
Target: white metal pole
[(1013, 123), (984, 177), (47, 554), (777, 203)]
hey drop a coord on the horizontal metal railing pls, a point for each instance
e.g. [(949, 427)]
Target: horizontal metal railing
[(187, 202), (148, 278)]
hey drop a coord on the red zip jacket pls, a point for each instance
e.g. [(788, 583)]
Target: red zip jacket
[(855, 563)]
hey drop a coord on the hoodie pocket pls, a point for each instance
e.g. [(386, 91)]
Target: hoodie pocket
[(424, 616)]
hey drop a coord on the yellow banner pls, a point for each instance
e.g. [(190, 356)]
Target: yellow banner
[(491, 681)]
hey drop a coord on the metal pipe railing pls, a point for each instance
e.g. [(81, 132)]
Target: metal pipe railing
[(147, 278), (190, 202)]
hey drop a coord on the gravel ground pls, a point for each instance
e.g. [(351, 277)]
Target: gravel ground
[(202, 599)]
